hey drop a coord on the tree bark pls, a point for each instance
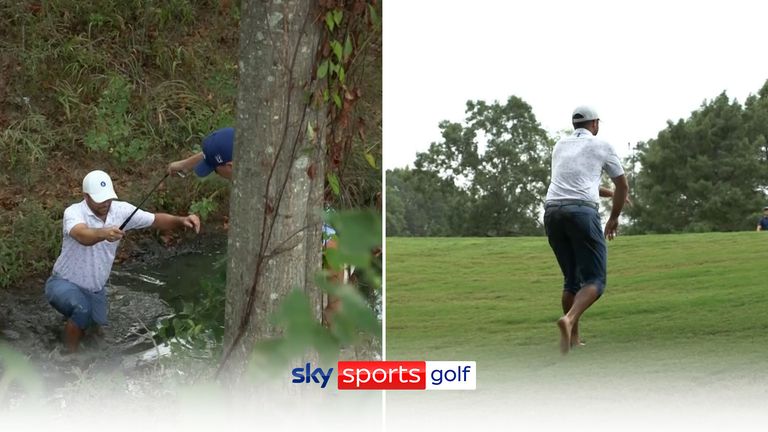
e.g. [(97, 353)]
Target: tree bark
[(277, 194)]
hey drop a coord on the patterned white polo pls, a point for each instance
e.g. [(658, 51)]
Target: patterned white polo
[(577, 164), (89, 266)]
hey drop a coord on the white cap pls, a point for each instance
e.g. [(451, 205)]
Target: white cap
[(98, 185), (585, 113)]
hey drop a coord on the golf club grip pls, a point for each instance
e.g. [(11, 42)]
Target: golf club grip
[(142, 202), (129, 218)]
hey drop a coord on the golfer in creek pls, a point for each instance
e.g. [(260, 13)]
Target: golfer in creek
[(77, 287), (572, 220)]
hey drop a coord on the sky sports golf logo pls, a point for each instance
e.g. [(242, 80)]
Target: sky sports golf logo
[(393, 375)]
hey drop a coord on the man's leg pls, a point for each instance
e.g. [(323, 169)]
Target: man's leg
[(567, 302), (72, 336), (557, 224), (569, 322), (590, 252), (70, 301)]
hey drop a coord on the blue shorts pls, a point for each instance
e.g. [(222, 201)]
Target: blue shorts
[(576, 237), (83, 307)]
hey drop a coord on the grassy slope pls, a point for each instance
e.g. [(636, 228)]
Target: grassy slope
[(122, 86), (676, 305)]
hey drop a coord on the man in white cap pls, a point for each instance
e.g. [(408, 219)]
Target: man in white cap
[(77, 287), (572, 220)]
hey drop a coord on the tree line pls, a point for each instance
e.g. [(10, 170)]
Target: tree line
[(488, 175)]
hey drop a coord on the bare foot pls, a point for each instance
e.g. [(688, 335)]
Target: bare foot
[(564, 324), (576, 342)]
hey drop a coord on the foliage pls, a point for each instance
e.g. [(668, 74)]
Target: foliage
[(705, 173), (26, 142), (199, 327), (15, 369), (125, 86), (112, 131), (358, 235), (421, 203), (30, 239), (204, 207), (487, 177), (349, 74)]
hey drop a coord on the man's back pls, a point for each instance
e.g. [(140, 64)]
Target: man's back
[(577, 163)]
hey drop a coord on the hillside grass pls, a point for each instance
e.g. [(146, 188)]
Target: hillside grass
[(689, 306), (122, 86)]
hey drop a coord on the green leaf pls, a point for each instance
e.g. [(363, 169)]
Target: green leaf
[(342, 75), (371, 160), (358, 233), (322, 70), (374, 15), (337, 49), (337, 15), (337, 99), (17, 369), (329, 21), (347, 48), (326, 95), (333, 181)]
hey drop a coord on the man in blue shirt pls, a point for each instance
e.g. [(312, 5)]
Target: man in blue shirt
[(762, 224)]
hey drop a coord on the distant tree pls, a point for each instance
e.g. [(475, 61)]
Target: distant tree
[(704, 173), (505, 182), (395, 207), (420, 203)]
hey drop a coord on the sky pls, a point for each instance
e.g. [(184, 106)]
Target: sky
[(639, 64)]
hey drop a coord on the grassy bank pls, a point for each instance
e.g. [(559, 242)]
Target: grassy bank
[(676, 305), (121, 86)]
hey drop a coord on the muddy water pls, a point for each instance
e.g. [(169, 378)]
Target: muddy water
[(174, 281), (139, 294)]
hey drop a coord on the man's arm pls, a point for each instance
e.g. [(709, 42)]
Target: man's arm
[(620, 194), (90, 236), (607, 193), (185, 164), (167, 222)]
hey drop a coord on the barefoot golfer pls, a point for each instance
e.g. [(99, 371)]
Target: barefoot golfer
[(572, 220), (77, 287)]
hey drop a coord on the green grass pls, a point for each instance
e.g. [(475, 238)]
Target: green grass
[(690, 305)]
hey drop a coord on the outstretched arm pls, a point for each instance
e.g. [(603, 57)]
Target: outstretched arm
[(167, 222), (185, 165)]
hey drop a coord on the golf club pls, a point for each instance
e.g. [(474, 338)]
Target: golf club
[(142, 202)]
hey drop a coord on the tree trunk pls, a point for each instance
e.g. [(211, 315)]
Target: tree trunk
[(277, 194)]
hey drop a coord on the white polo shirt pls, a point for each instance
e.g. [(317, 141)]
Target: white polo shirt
[(89, 266), (577, 164)]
